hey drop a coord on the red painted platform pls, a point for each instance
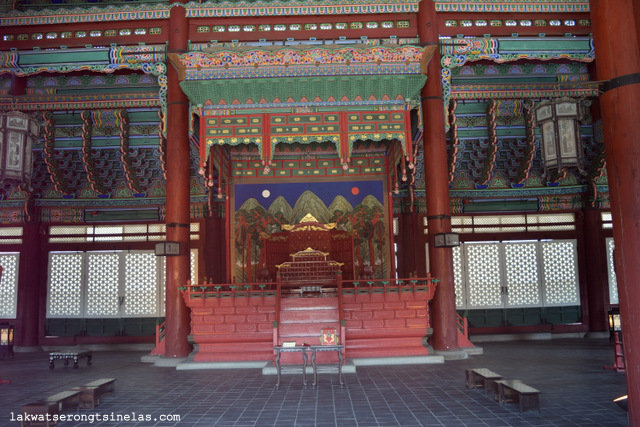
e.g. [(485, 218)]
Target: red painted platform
[(389, 319)]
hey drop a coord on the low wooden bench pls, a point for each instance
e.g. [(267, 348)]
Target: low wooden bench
[(66, 400), (508, 391), (39, 413), (91, 393), (482, 378)]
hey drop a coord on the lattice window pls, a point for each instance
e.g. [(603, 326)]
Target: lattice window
[(560, 276), (102, 285), (613, 281), (140, 284), (513, 223), (9, 285), (101, 233), (457, 277), (76, 234), (607, 220), (484, 282), (516, 274), (521, 274), (11, 235), (105, 284), (193, 264), (65, 285)]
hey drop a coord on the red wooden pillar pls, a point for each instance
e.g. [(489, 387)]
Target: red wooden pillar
[(595, 257), (617, 48), (28, 309), (29, 287), (177, 187), (437, 187)]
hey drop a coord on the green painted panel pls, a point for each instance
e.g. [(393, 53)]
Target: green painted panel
[(201, 91), (501, 206), (104, 215), (148, 116), (546, 44), (64, 57), (524, 316), (563, 315), (502, 79), (485, 318), (108, 142)]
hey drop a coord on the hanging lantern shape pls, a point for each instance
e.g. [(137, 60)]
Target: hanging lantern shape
[(561, 142), (18, 132)]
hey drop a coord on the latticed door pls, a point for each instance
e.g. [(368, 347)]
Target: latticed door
[(522, 277), (484, 286), (105, 284), (613, 281), (516, 274), (9, 285)]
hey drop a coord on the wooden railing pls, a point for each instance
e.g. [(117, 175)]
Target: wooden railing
[(225, 290), (161, 332), (410, 284), (463, 325)]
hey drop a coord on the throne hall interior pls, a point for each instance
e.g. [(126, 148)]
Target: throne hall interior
[(210, 180)]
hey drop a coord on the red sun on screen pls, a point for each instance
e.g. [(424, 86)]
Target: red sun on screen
[(355, 190)]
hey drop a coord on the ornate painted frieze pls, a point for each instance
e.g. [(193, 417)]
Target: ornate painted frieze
[(211, 9), (512, 5), (307, 61), (299, 7), (307, 75), (78, 15)]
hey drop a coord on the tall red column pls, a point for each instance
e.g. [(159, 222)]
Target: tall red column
[(437, 187), (30, 281), (595, 257), (177, 187), (616, 39)]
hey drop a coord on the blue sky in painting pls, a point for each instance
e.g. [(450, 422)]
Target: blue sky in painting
[(326, 191)]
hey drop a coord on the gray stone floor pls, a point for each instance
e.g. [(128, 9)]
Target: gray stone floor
[(575, 388)]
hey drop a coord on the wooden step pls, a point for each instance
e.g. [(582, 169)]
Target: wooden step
[(320, 303), (309, 315)]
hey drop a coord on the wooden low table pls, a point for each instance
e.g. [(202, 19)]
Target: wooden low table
[(508, 391), (482, 378), (336, 369), (69, 355), (301, 349)]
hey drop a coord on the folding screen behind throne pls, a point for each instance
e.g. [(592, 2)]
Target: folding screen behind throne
[(309, 233)]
